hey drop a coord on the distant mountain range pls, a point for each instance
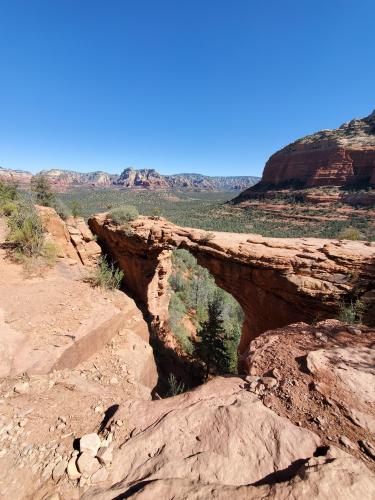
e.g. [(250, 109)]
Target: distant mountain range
[(131, 178)]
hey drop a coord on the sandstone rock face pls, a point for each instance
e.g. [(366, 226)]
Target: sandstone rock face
[(295, 279), (326, 380), (345, 156), (74, 238), (220, 441)]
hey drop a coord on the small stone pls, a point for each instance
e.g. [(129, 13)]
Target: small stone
[(99, 476), (368, 448), (119, 423), (354, 331), (87, 464), (107, 441), (89, 443), (346, 442), (98, 409), (61, 426), (62, 419), (47, 471), (105, 455), (22, 388), (276, 373), (252, 378), (54, 496), (113, 381), (23, 422), (59, 470), (52, 428), (269, 382), (73, 472)]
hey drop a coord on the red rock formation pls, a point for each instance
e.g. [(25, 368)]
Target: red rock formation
[(340, 157), (276, 281)]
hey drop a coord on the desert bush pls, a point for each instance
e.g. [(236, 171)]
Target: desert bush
[(349, 233), (206, 238), (8, 191), (175, 387), (26, 231), (61, 208), (351, 313), (123, 214), (106, 275), (76, 208), (50, 252), (41, 186), (181, 334), (8, 207)]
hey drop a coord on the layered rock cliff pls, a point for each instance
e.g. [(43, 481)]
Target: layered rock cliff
[(340, 157), (276, 281)]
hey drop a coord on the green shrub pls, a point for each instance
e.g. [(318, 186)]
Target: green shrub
[(175, 387), (206, 238), (106, 275), (351, 313), (8, 208), (8, 192), (41, 186), (123, 214), (50, 252), (349, 233), (26, 231), (181, 334), (76, 208), (61, 208)]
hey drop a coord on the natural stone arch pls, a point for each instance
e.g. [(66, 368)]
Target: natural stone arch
[(276, 281)]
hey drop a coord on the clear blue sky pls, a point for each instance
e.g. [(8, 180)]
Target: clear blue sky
[(208, 86)]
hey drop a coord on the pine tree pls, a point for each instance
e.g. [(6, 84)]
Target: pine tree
[(217, 346)]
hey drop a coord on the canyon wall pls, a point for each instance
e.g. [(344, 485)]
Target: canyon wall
[(276, 281)]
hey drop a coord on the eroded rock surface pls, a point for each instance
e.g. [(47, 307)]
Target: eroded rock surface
[(325, 380), (73, 238), (276, 281), (221, 441), (69, 353)]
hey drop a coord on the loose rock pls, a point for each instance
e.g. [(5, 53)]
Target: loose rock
[(90, 443), (22, 388), (87, 464), (59, 470), (73, 472)]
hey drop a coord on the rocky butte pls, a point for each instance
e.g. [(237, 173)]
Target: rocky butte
[(341, 157), (276, 281)]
